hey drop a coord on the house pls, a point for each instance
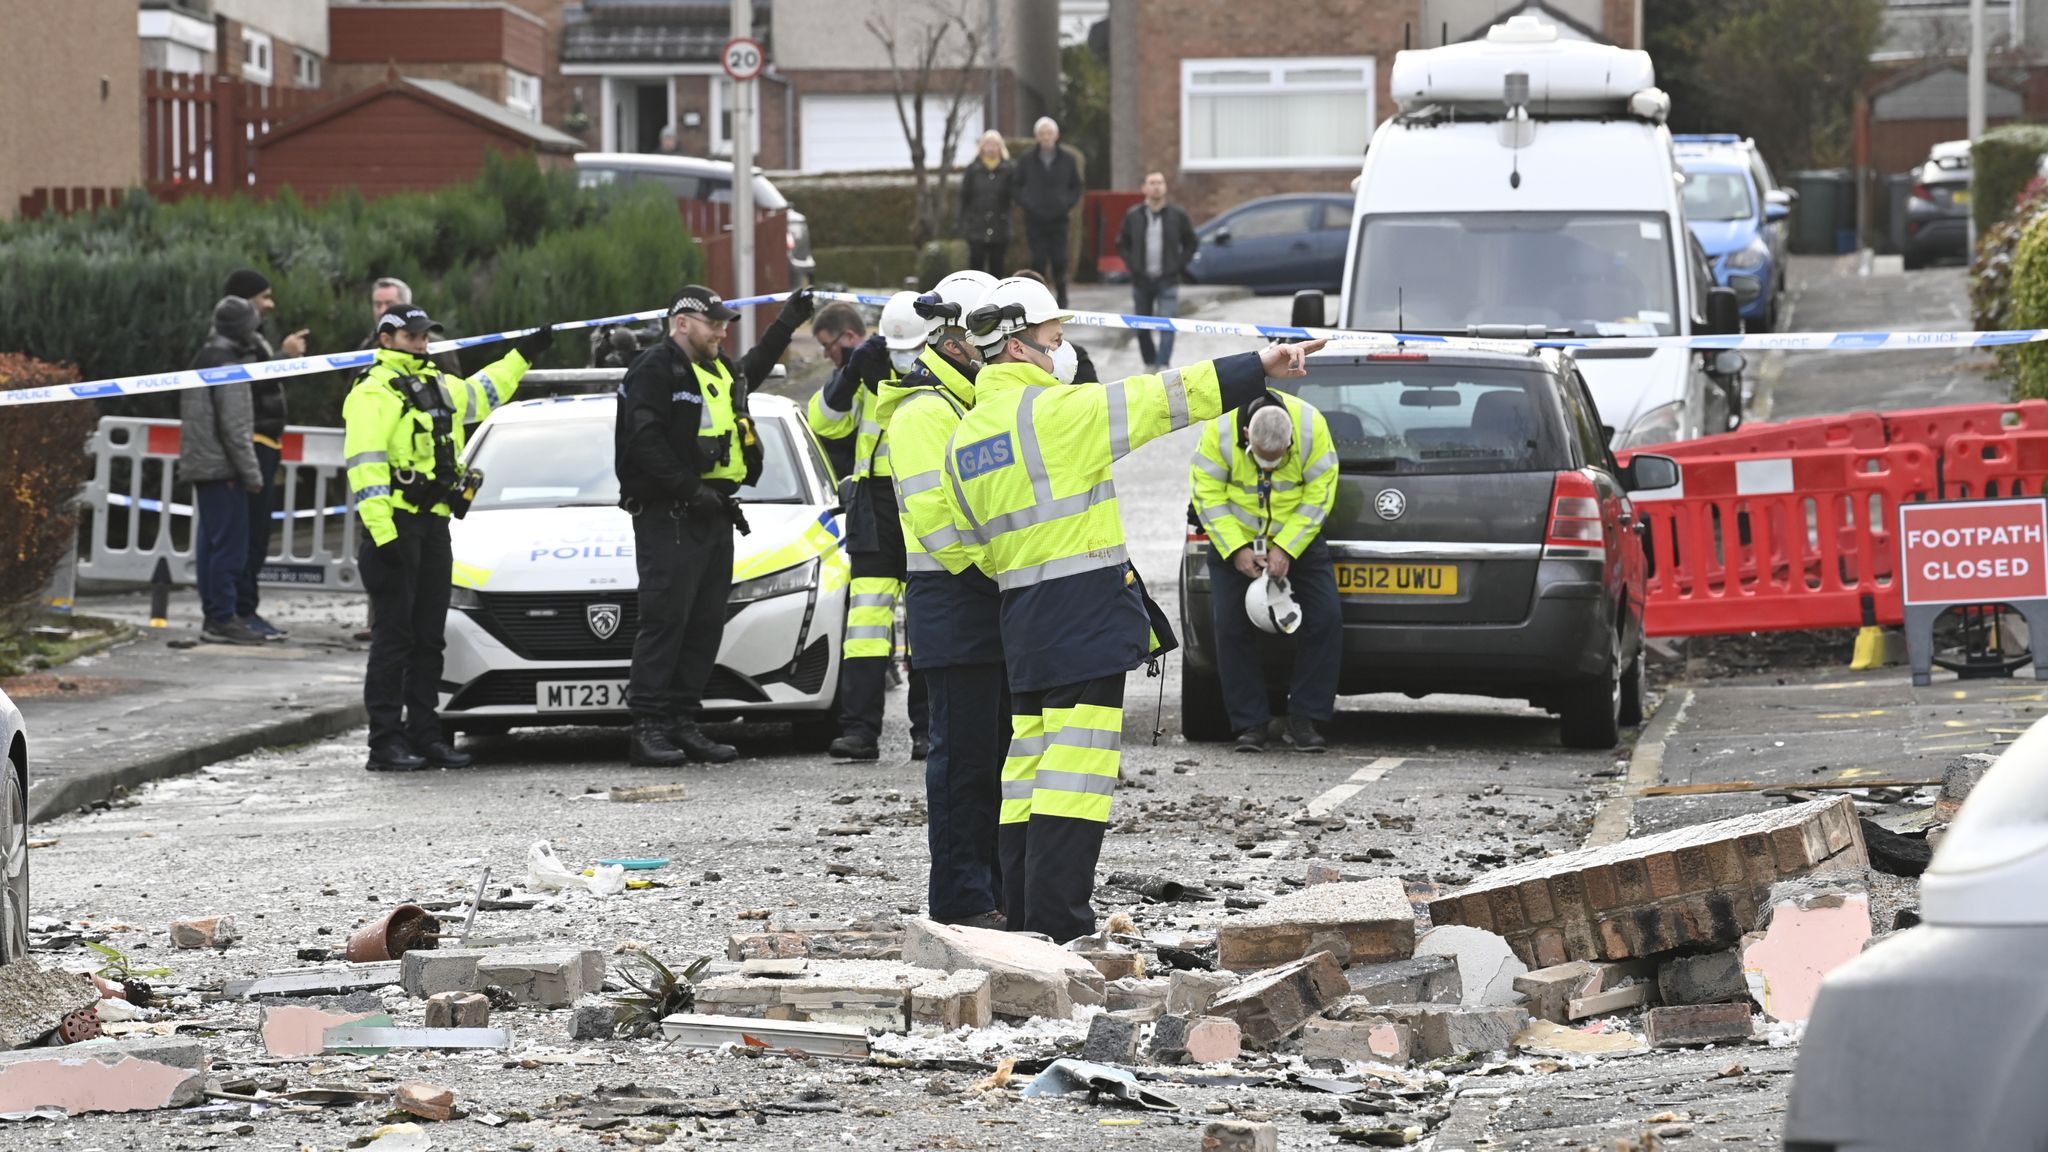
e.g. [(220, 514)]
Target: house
[(70, 92), (1225, 126), (497, 50), (274, 43), (402, 135), (1918, 90)]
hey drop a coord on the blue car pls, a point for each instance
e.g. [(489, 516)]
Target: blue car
[(1737, 225), (1277, 244)]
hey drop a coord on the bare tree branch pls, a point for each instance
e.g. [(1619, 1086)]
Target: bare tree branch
[(916, 54)]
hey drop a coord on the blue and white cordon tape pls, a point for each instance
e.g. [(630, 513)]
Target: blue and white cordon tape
[(343, 361)]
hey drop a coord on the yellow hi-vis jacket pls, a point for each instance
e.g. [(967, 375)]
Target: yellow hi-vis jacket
[(920, 412), (1288, 510), (383, 433), (1029, 472)]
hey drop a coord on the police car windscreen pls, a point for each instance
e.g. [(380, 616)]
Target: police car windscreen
[(1718, 196), (558, 463), (1589, 274), (1406, 418)]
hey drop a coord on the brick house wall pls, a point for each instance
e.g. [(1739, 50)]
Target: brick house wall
[(61, 127)]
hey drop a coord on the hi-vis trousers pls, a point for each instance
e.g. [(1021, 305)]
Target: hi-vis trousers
[(1066, 749)]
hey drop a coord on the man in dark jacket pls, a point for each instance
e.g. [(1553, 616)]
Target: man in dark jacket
[(217, 456), (683, 446), (1156, 242), (1048, 187), (267, 397)]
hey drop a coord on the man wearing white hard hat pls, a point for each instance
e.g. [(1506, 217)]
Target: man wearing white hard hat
[(1264, 480), (874, 535), (1029, 470)]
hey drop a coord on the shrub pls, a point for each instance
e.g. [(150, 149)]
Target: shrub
[(883, 266), (1991, 268), (2028, 308), (939, 259), (855, 210), (131, 289), (43, 458), (2001, 163)]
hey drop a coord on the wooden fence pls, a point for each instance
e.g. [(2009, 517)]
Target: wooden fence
[(203, 134)]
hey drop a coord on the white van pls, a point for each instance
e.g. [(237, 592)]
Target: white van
[(1528, 189)]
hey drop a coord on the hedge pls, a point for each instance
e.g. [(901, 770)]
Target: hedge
[(131, 289), (43, 457), (2001, 162), (2027, 307), (879, 266)]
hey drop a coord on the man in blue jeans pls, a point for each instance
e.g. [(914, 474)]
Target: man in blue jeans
[(268, 431), (217, 456), (1156, 242)]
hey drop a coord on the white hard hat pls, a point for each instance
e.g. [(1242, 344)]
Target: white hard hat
[(951, 299), (902, 328), (1012, 305), (1270, 604)]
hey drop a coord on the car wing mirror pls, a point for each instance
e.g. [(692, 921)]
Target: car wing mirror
[(1222, 237), (1309, 310), (1776, 211), (1724, 312), (1648, 472), (1726, 362)]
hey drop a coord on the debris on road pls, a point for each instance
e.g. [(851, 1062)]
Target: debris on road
[(1707, 978), (861, 993), (34, 1001), (647, 793), (426, 1101), (1425, 979), (1270, 1006), (1368, 1038), (317, 981), (392, 935), (1805, 935), (1487, 966), (1547, 1038), (1194, 1040), (1363, 922), (1240, 1136), (1695, 886), (809, 1039), (104, 1076), (458, 1010), (1067, 1076), (1680, 1026), (217, 932), (369, 1038), (292, 1031), (1028, 976), (540, 977)]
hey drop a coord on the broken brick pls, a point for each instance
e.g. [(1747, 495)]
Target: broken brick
[(1711, 978), (458, 1010), (1429, 979), (1195, 1039), (1189, 993), (1441, 1030), (1110, 1041), (204, 932), (1028, 976), (538, 977), (865, 993), (1374, 1038), (1112, 965), (113, 1076), (1551, 990), (426, 1101), (595, 1018), (956, 1000), (1688, 888), (1142, 999), (1240, 1136), (1272, 1005), (1809, 935), (830, 944), (1359, 922), (1679, 1026)]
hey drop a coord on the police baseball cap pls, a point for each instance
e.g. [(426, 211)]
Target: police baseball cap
[(702, 301), (409, 317)]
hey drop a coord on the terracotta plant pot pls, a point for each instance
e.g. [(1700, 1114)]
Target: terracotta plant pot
[(393, 934)]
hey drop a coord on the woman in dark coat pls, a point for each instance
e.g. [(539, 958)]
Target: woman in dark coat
[(985, 204)]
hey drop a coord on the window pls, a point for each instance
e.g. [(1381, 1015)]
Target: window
[(1299, 113), (305, 69), (1717, 196), (1423, 418), (1273, 220), (567, 463), (256, 56), (522, 93), (721, 118)]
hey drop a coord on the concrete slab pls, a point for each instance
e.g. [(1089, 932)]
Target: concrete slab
[(1359, 922), (1029, 976), (104, 1076)]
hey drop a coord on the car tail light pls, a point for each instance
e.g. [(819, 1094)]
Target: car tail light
[(1197, 535), (1574, 512), (1398, 356), (789, 241), (1921, 191)]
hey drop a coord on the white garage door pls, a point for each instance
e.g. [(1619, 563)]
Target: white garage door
[(862, 133)]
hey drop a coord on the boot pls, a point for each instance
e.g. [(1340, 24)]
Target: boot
[(685, 734), (854, 748), (1301, 732), (394, 756), (1251, 740), (651, 747), (442, 754)]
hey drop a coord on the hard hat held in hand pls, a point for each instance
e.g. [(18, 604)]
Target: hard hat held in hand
[(1270, 604), (1012, 305), (902, 328)]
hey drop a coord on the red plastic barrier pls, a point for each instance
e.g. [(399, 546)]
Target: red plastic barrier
[(1995, 467), (1934, 427), (1797, 541), (1855, 430)]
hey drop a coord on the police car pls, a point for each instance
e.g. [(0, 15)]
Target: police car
[(543, 613)]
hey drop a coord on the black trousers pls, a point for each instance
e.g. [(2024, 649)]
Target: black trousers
[(970, 710), (864, 697), (402, 687), (247, 594), (1065, 755), (1048, 241), (1318, 645), (685, 575), (987, 255)]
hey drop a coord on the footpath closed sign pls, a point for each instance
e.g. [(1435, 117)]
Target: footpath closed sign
[(1975, 552)]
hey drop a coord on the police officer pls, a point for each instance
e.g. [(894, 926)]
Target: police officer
[(683, 446), (953, 613), (874, 535), (1029, 471), (1264, 479), (404, 426)]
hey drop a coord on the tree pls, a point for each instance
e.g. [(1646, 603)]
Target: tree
[(1084, 109), (1783, 71), (933, 49)]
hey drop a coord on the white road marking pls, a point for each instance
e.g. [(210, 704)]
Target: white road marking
[(1337, 797)]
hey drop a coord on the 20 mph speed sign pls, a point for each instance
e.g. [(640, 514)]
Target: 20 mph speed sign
[(744, 59)]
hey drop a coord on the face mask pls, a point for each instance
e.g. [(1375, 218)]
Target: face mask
[(1268, 465), (1064, 359), (903, 361)]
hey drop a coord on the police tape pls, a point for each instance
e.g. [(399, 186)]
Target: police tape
[(121, 500), (151, 383)]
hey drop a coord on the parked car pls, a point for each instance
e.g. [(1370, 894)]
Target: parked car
[(1483, 533), (1276, 244), (541, 623), (1938, 208), (1937, 1036), (710, 181), (1733, 222), (1760, 172), (13, 833)]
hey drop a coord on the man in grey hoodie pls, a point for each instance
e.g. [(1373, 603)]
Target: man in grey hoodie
[(217, 456)]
